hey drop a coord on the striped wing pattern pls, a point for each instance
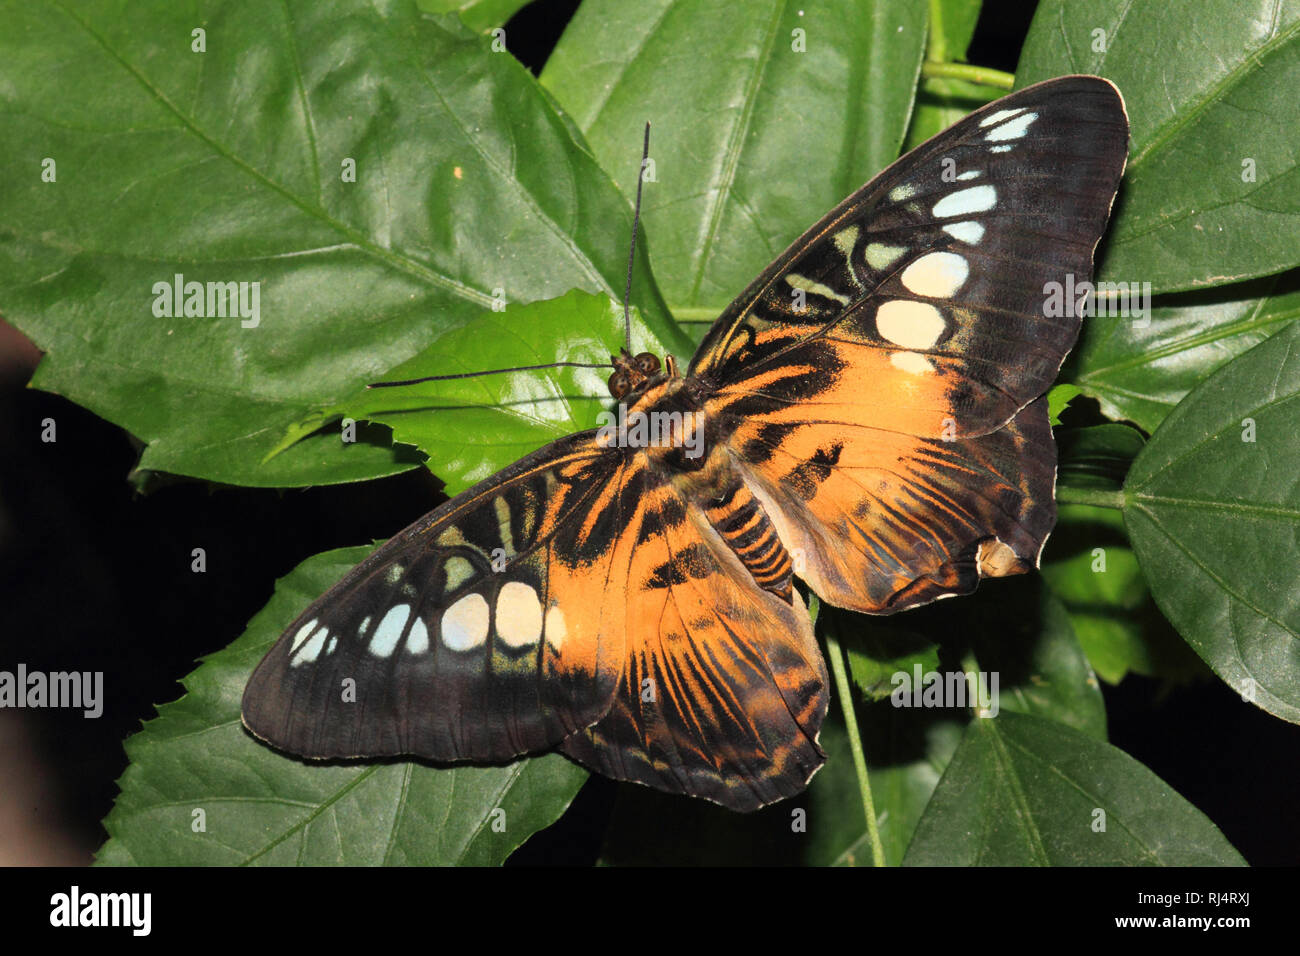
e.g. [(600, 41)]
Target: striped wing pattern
[(871, 421)]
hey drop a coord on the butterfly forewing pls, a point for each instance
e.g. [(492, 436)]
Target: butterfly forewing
[(918, 304), (471, 634)]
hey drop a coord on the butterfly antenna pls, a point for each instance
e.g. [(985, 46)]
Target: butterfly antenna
[(491, 371), (631, 255)]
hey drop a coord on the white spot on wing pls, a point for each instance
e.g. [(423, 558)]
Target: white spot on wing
[(970, 174), (968, 232), (1013, 129), (302, 635), (966, 201), (311, 650), (936, 274), (465, 623), (417, 642), (999, 116), (913, 325), (519, 614), (384, 641)]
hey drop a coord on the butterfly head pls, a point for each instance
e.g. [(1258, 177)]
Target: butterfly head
[(633, 374)]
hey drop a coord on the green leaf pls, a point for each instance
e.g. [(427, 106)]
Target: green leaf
[(940, 102), (1022, 638), (1139, 369), (261, 807), (1095, 457), (1058, 398), (1212, 510), (228, 165), (480, 15), (752, 150), (1090, 566), (1210, 195), (952, 24), (1022, 791), (878, 651), (906, 752), (472, 428)]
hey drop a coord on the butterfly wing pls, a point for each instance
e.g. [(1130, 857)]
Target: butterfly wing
[(578, 587), (724, 689), (472, 634), (875, 383)]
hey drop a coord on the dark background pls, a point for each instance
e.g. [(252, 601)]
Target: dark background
[(94, 576)]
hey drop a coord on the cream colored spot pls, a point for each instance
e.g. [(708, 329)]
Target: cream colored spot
[(911, 362), (1014, 129), (999, 116), (1001, 149), (966, 201), (937, 274), (556, 628), (881, 256), (458, 571), (968, 232), (970, 174), (519, 614), (797, 281), (913, 325), (465, 623), (902, 193)]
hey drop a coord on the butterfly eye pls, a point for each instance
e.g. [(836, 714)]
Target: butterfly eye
[(618, 384), (647, 362)]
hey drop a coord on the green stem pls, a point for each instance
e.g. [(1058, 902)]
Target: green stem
[(845, 695), (935, 47), (971, 74), (1097, 497), (694, 313)]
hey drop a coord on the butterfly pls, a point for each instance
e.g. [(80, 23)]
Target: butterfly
[(867, 416)]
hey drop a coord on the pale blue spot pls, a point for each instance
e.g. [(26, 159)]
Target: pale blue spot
[(417, 642), (389, 631), (966, 201), (311, 650), (302, 635)]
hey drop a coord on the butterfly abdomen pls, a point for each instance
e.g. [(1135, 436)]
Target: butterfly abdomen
[(745, 527)]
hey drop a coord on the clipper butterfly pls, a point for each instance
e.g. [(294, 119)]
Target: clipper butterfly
[(868, 416)]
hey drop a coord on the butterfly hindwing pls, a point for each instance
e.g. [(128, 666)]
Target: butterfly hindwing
[(724, 689), (881, 521)]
